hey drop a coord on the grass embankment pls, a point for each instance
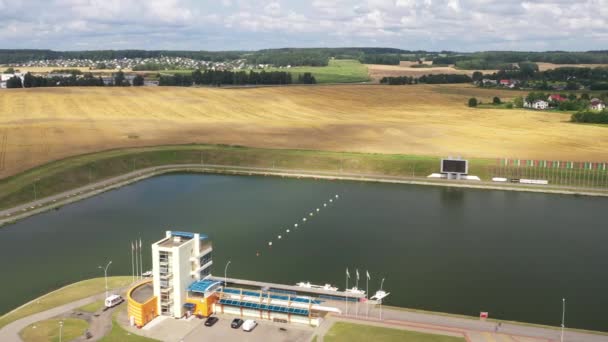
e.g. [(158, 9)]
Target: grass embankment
[(64, 295), (475, 318), (341, 331), (48, 330), (93, 307), (119, 334), (77, 171)]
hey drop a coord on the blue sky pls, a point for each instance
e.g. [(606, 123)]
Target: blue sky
[(459, 25)]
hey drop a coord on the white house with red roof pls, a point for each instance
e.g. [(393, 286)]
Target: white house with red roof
[(556, 98), (597, 104)]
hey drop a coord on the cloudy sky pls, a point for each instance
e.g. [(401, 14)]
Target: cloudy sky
[(460, 25)]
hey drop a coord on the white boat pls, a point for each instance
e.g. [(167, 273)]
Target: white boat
[(380, 295), (308, 285), (147, 274), (355, 290)]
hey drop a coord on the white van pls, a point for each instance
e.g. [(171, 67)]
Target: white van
[(113, 300), (249, 325)]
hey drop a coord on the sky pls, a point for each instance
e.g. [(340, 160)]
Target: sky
[(432, 25)]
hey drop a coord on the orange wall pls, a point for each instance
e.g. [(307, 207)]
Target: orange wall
[(204, 307), (141, 312)]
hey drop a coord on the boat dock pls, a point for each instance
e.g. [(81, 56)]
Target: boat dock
[(291, 288)]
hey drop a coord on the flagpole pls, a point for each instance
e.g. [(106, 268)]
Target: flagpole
[(136, 262), (132, 263), (357, 287), (346, 292), (366, 293), (141, 260)]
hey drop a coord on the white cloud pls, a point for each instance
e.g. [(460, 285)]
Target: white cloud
[(250, 24)]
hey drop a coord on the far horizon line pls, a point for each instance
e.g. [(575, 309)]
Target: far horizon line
[(309, 48)]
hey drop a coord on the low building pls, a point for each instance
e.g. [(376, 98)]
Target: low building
[(597, 104), (538, 104)]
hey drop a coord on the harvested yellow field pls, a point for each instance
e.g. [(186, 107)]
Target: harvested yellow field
[(377, 71), (44, 124), (549, 66)]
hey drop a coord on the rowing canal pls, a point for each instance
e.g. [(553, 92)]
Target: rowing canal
[(463, 251)]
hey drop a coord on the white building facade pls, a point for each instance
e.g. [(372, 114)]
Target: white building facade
[(178, 260)]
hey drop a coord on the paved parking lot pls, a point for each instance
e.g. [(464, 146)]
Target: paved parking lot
[(266, 331)]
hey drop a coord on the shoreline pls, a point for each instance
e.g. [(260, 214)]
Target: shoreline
[(12, 215)]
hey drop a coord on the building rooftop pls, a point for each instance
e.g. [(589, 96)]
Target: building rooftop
[(178, 238), (202, 286), (143, 293)]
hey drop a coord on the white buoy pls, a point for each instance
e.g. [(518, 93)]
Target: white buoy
[(270, 243), (331, 200), (310, 214), (287, 230), (304, 219), (336, 196), (280, 237), (295, 225), (317, 209), (325, 204)]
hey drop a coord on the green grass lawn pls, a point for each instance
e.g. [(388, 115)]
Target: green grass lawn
[(119, 334), (93, 307), (48, 330), (350, 332), (65, 295), (338, 71)]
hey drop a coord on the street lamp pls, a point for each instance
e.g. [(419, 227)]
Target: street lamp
[(563, 317), (226, 272), (105, 275), (60, 329)]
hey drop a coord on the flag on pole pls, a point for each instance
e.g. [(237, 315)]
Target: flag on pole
[(368, 277), (357, 272), (139, 243), (132, 247), (347, 274)]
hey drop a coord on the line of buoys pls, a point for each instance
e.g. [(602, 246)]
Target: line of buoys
[(311, 214)]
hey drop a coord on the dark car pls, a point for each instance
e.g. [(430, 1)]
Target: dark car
[(211, 321), (236, 323)]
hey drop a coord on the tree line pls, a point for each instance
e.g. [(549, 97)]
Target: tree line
[(428, 79), (87, 80), (499, 59), (225, 77)]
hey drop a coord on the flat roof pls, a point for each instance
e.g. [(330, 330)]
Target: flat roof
[(202, 286), (178, 238), (143, 293)]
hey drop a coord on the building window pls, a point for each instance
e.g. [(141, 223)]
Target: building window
[(205, 258)]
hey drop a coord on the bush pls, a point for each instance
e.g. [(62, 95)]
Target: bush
[(496, 100), (590, 117), (509, 106), (518, 102), (472, 102)]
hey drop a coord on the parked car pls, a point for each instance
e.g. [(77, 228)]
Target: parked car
[(211, 321), (249, 325), (236, 323)]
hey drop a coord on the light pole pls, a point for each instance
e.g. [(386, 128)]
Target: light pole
[(381, 284), (226, 272), (60, 329), (105, 275), (563, 317)]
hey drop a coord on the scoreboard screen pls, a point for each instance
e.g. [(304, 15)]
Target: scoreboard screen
[(454, 166)]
